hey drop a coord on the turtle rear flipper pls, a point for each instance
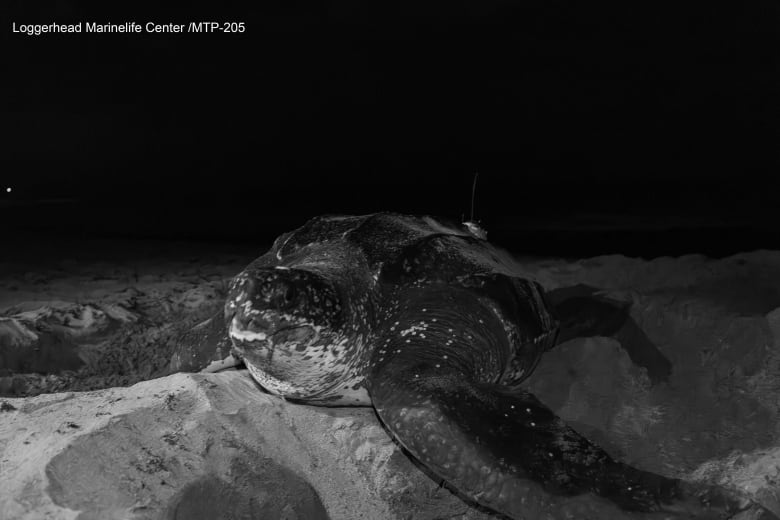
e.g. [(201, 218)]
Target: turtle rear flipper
[(584, 313)]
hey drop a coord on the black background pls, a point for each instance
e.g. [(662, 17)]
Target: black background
[(596, 127)]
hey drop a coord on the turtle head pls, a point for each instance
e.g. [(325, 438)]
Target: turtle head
[(287, 325)]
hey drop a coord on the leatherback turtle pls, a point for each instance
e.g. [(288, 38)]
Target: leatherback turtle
[(433, 326)]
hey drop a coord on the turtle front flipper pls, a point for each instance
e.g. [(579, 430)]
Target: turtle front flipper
[(584, 313), (205, 347), (434, 383)]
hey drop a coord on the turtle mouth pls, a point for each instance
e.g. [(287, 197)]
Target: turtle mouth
[(300, 334), (262, 343), (254, 331)]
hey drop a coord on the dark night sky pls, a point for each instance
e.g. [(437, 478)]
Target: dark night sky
[(576, 115)]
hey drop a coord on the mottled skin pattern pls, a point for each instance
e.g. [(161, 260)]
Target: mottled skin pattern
[(432, 325)]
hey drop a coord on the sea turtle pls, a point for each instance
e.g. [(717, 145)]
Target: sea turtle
[(434, 327)]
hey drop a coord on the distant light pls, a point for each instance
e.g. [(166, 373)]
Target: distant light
[(8, 189)]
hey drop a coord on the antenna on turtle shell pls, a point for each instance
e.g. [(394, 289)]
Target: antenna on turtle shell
[(473, 192), (472, 225)]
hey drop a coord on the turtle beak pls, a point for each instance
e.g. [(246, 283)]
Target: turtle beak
[(243, 331), (251, 321), (266, 304)]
